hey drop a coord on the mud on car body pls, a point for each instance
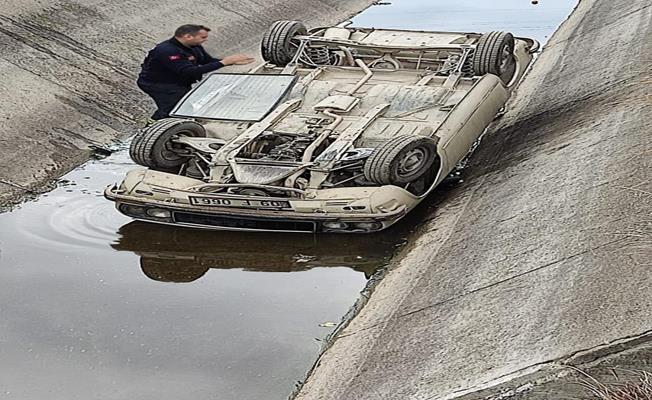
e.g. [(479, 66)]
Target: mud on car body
[(341, 129)]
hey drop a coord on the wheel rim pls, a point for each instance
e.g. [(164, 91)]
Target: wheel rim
[(170, 150), (506, 59), (412, 162)]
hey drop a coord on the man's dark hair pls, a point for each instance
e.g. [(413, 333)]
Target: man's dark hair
[(190, 29)]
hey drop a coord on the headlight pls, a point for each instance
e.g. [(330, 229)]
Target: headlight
[(335, 225), (132, 211), (368, 226), (158, 213)]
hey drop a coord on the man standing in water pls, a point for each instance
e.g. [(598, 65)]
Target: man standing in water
[(174, 65)]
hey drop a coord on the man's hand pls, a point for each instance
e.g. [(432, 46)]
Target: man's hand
[(237, 59)]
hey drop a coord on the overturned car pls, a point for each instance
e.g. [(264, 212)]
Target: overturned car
[(342, 129)]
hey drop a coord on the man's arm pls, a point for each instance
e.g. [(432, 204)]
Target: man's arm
[(177, 63), (187, 71), (206, 58), (236, 59)]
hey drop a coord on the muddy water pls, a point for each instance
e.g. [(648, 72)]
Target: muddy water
[(93, 305)]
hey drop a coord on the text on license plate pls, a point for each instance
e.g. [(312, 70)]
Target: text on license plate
[(244, 203)]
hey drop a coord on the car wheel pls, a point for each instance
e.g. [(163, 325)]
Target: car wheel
[(170, 270), (153, 147), (401, 160), (494, 54), (277, 46)]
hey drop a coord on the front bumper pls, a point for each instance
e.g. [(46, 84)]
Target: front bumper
[(241, 219)]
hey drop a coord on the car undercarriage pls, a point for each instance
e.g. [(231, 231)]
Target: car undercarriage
[(341, 129)]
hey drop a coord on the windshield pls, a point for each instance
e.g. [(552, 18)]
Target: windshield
[(235, 97)]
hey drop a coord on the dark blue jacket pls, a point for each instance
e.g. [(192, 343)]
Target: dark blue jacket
[(171, 62)]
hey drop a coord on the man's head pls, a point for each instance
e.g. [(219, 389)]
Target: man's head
[(191, 35)]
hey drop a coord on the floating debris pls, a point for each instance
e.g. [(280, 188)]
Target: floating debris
[(302, 258)]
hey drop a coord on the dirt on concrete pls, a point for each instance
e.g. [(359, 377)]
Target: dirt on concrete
[(69, 70), (541, 254)]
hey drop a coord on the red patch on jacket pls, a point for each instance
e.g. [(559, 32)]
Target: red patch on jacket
[(191, 58), (175, 57)]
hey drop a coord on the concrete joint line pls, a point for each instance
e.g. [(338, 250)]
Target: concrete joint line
[(15, 185), (65, 134), (97, 106), (550, 264), (582, 358), (432, 255), (602, 351), (530, 369), (634, 189)]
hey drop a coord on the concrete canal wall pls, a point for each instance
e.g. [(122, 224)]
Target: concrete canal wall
[(68, 69), (540, 260)]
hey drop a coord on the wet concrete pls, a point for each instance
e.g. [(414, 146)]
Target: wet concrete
[(540, 260), (95, 305)]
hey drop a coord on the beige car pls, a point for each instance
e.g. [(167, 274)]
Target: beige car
[(342, 129)]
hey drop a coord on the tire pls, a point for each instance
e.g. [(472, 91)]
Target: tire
[(276, 46), (401, 160), (170, 270), (152, 147), (494, 54)]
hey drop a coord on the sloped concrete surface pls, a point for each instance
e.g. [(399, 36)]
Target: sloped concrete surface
[(541, 254), (69, 67)]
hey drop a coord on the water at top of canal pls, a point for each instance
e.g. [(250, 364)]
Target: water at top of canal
[(93, 305), (520, 17)]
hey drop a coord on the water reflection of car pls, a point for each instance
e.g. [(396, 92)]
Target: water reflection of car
[(174, 254), (341, 130)]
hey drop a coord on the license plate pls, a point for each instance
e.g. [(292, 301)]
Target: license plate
[(242, 203)]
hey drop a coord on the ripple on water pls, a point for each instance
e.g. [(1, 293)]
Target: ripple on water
[(68, 219)]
